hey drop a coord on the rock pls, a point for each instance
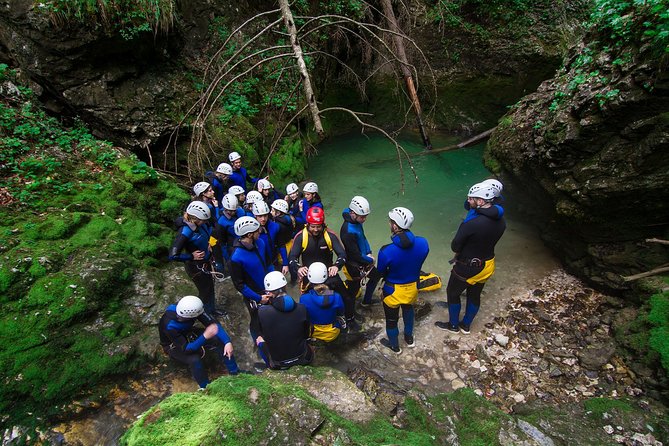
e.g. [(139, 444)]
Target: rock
[(593, 357), (501, 339), (535, 434), (457, 384)]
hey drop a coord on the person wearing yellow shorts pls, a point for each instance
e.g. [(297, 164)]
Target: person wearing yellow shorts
[(400, 263), (474, 261)]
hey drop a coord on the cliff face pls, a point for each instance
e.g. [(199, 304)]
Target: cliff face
[(128, 87), (590, 153)]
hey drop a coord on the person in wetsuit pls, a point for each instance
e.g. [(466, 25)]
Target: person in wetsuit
[(311, 199), (183, 344), (359, 259), (286, 222), (316, 243), (221, 181), (203, 192), (267, 191), (269, 233), (194, 237), (284, 327), (324, 306), (474, 261), (239, 174), (249, 265), (400, 263)]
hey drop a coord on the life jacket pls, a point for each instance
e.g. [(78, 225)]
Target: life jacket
[(305, 239), (429, 282)]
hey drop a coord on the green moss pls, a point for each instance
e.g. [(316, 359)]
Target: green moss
[(477, 420), (6, 279), (197, 418), (658, 317), (288, 165), (598, 406)]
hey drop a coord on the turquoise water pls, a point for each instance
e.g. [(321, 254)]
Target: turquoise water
[(367, 165)]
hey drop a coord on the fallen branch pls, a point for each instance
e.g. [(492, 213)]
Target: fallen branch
[(657, 240), (652, 272), (466, 143)]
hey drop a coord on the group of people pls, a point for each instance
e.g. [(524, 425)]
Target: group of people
[(262, 239)]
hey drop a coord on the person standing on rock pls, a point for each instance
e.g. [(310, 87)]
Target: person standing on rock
[(284, 327), (316, 243), (474, 261), (194, 237), (183, 344), (400, 263), (249, 265), (359, 259)]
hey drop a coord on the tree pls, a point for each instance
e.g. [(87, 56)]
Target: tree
[(289, 65)]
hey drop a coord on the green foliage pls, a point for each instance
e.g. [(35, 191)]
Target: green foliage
[(128, 18), (479, 421), (658, 317), (628, 21), (80, 219)]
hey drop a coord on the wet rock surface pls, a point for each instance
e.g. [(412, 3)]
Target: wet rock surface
[(549, 349)]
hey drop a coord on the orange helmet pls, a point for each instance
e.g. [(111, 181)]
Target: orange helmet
[(315, 216)]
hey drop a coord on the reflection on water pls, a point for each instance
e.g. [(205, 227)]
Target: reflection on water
[(367, 165)]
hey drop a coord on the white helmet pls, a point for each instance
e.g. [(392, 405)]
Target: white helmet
[(229, 202), (481, 190), (200, 188), (292, 188), (253, 196), (246, 225), (190, 307), (274, 281), (260, 208), (318, 273), (360, 205), (280, 205), (236, 190), (199, 210), (495, 184), (264, 184), (234, 156), (311, 188), (224, 168), (402, 217)]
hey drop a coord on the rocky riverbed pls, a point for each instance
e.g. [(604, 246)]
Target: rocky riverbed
[(551, 346)]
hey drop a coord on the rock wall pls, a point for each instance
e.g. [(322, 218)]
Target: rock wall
[(587, 156)]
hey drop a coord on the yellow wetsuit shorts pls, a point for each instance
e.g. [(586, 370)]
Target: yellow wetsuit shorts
[(485, 274), (325, 332), (400, 294)]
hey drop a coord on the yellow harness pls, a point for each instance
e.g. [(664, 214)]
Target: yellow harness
[(305, 238)]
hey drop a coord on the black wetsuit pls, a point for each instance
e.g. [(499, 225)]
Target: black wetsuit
[(317, 250), (285, 328), (474, 245), (357, 257)]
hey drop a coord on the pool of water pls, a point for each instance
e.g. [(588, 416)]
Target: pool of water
[(368, 165)]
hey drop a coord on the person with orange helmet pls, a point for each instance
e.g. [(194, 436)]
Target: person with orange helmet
[(316, 243)]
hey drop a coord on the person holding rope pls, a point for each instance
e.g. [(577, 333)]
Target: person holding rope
[(359, 260), (194, 236)]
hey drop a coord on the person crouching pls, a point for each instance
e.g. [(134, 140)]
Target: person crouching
[(284, 326), (185, 346), (325, 307)]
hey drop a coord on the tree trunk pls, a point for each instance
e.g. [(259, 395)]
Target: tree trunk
[(405, 67), (302, 66)]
